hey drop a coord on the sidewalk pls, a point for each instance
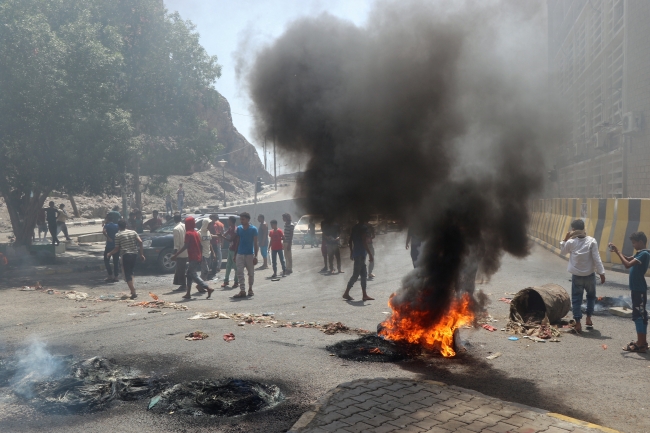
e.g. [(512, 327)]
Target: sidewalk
[(400, 405)]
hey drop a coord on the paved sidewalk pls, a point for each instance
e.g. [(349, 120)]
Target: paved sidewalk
[(400, 405)]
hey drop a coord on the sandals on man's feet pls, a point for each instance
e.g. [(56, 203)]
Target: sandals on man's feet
[(633, 347), (241, 294), (250, 293)]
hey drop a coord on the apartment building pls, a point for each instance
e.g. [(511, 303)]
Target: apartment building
[(599, 65)]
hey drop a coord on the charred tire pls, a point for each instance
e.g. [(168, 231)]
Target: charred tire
[(165, 264)]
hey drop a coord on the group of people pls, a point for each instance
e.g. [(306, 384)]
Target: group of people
[(585, 263), (52, 219)]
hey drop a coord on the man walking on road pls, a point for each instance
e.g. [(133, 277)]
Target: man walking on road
[(288, 240), (127, 243), (638, 266), (263, 237), (194, 258), (180, 198), (332, 235), (276, 248), (371, 248), (230, 236), (246, 249), (60, 222), (216, 230), (51, 214), (583, 260), (358, 249), (181, 259), (110, 230)]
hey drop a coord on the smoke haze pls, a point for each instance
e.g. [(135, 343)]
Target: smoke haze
[(437, 115), (36, 363)]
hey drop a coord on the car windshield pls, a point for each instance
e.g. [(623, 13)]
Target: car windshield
[(165, 228)]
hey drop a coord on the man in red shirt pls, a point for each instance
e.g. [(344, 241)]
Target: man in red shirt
[(216, 229), (194, 257), (277, 249)]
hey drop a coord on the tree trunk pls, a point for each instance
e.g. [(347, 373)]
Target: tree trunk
[(136, 184), (23, 211), (74, 206)]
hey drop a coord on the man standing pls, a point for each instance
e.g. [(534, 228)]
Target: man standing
[(192, 245), (41, 224), (168, 204), (125, 243), (246, 249), (583, 260), (263, 236), (60, 222), (206, 250), (415, 243), (332, 235), (154, 222), (229, 237), (371, 248), (110, 230), (181, 261), (180, 197), (358, 249), (288, 240), (638, 266), (216, 230), (113, 215), (51, 214), (276, 248)]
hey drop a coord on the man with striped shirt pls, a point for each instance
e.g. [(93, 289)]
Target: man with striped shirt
[(127, 242), (288, 240)]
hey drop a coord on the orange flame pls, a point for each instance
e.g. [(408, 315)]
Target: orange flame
[(376, 350), (408, 325)]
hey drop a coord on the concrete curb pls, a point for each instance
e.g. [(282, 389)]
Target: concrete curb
[(56, 271), (555, 250), (307, 417), (84, 223)]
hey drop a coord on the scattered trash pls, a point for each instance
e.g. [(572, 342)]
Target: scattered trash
[(385, 312), (604, 346), (241, 323), (506, 300), (159, 304), (196, 335), (493, 356), (154, 401), (488, 327), (535, 339), (268, 314), (228, 337), (154, 311), (111, 297), (513, 338), (230, 397), (76, 296), (154, 296)]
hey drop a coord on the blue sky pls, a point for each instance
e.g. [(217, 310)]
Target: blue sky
[(225, 26)]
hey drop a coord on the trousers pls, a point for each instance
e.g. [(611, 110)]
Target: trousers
[(359, 271), (230, 265), (116, 263), (193, 269), (639, 312), (215, 266), (274, 259), (333, 250), (245, 263), (580, 284), (371, 265), (287, 256)]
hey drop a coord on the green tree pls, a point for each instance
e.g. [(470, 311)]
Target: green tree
[(168, 78), (60, 125)]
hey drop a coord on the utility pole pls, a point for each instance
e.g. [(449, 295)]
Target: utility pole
[(265, 153), (275, 168)]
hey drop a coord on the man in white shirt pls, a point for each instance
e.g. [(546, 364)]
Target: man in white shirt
[(181, 260), (584, 259)]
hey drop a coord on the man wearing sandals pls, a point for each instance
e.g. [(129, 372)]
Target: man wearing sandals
[(194, 249), (127, 243), (584, 258), (246, 249), (638, 265)]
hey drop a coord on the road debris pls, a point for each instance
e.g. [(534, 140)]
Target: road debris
[(488, 327), (196, 335), (76, 296), (493, 356), (159, 304), (228, 337), (604, 346), (506, 300), (154, 296), (513, 338), (621, 311)]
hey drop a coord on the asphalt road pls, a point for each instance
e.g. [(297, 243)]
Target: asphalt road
[(576, 377)]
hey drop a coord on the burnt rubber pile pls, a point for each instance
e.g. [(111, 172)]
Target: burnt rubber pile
[(372, 348), (75, 387), (229, 397)]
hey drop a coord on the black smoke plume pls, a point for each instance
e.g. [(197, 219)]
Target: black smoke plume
[(434, 115)]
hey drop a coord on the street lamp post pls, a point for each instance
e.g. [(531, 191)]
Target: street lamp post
[(222, 163)]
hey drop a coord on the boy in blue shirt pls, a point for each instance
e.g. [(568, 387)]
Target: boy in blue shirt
[(246, 250), (638, 265)]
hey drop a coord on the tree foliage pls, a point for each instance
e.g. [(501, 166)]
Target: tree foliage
[(89, 86)]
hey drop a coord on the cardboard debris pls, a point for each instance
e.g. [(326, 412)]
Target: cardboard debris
[(493, 356), (621, 312), (76, 296)]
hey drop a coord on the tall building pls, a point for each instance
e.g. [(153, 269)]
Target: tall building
[(599, 63)]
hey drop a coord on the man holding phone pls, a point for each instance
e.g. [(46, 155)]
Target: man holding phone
[(584, 258)]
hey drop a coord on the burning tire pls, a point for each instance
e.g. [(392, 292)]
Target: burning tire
[(372, 348)]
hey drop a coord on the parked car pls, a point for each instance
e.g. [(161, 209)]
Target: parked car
[(301, 230), (158, 245)]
